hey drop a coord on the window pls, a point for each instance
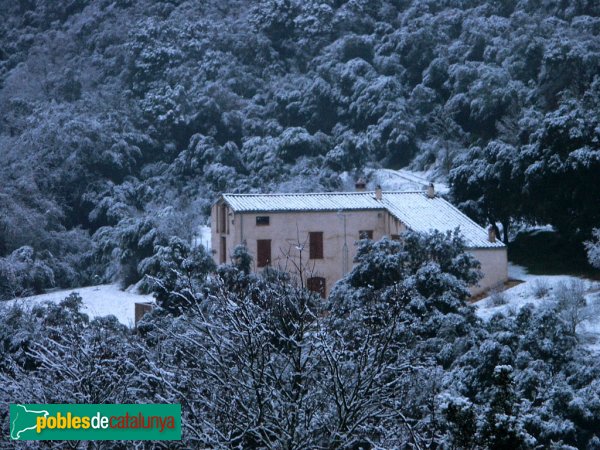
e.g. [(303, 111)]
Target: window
[(223, 252), (315, 245), (224, 228), (262, 221), (365, 234), (395, 237), (263, 252), (316, 284)]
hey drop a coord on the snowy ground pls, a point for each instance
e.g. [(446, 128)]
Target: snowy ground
[(523, 293), (101, 300), (395, 180)]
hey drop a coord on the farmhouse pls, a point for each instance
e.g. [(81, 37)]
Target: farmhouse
[(319, 230)]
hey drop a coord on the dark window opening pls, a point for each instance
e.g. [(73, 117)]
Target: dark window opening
[(223, 252), (395, 237), (365, 234), (316, 284), (262, 221), (315, 247), (263, 252), (223, 219)]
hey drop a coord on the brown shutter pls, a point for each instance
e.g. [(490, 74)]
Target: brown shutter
[(315, 249), (263, 252), (316, 284)]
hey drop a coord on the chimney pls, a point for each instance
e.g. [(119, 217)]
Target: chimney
[(491, 234), (431, 191), (378, 192), (360, 185)]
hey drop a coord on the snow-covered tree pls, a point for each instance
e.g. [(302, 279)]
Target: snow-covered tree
[(487, 183), (176, 273), (593, 249)]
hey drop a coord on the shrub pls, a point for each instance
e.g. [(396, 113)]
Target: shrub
[(540, 288), (571, 304), (22, 274), (498, 298)]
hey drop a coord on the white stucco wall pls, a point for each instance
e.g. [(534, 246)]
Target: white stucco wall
[(494, 265), (287, 230)]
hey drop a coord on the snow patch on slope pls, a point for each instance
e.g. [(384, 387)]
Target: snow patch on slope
[(98, 301), (524, 293)]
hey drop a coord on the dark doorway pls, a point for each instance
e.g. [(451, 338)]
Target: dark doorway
[(317, 284), (263, 252)]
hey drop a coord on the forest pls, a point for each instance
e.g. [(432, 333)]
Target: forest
[(121, 121), (395, 358)]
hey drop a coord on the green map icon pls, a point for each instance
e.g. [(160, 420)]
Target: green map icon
[(23, 419)]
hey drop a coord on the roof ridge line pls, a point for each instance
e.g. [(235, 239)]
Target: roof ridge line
[(270, 194)]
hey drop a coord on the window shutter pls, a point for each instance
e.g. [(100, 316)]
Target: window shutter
[(315, 248), (263, 252)]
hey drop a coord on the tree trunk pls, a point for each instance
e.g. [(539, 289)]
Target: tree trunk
[(505, 229)]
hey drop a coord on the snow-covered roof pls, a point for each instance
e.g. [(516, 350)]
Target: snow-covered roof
[(421, 213), (414, 209), (321, 201)]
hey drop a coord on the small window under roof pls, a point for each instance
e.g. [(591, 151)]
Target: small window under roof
[(262, 221)]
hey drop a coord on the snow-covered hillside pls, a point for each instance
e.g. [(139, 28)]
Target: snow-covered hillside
[(531, 290), (101, 300)]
